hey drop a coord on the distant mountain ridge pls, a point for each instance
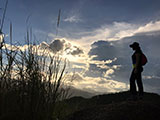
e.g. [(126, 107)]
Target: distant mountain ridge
[(77, 92)]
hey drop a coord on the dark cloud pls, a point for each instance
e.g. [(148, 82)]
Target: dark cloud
[(56, 45), (104, 50), (77, 51), (62, 46)]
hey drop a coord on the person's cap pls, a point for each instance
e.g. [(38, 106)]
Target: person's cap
[(135, 44)]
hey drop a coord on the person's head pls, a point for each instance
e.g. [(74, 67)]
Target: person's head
[(135, 46)]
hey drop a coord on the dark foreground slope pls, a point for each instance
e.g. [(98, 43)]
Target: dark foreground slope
[(117, 107)]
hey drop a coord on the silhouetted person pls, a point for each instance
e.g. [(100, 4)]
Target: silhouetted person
[(137, 70)]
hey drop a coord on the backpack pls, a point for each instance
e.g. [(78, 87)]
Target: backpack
[(143, 59)]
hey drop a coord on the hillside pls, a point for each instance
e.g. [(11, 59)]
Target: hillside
[(77, 92), (114, 107)]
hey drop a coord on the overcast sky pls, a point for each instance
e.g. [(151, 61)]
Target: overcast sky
[(95, 36)]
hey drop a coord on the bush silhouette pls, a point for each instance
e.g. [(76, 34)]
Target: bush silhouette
[(31, 82)]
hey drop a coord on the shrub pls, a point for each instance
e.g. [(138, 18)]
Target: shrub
[(31, 83)]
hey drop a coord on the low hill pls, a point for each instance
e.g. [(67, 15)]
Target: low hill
[(77, 92), (114, 107)]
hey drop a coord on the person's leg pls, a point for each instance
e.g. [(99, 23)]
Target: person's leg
[(132, 84), (140, 84)]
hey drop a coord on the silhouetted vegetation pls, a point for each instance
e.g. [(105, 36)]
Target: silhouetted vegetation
[(31, 82)]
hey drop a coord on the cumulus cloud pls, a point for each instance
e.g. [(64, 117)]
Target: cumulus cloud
[(62, 46), (100, 85), (74, 77), (73, 18), (108, 72), (44, 45), (17, 47), (74, 15), (75, 51), (149, 27), (102, 62), (56, 45), (108, 51)]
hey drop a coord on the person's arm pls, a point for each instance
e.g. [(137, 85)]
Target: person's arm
[(138, 58)]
